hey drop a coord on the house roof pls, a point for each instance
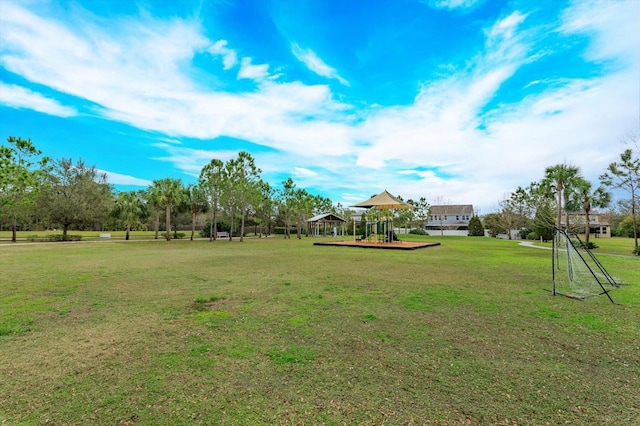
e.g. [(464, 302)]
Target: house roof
[(453, 209), (327, 217)]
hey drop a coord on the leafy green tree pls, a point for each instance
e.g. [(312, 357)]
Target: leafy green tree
[(543, 222), (21, 175), (421, 209), (243, 182), (475, 227), (560, 179), (625, 227), (625, 175), (521, 204), (131, 208), (405, 218), (304, 205), (76, 195), (323, 205), (213, 178), (169, 193), (286, 204), (264, 208), (494, 224)]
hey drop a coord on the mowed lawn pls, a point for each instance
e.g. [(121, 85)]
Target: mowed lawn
[(274, 331)]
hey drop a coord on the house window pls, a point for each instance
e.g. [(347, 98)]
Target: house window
[(457, 217)]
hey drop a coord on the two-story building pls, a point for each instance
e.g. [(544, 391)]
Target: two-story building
[(599, 227), (450, 217)]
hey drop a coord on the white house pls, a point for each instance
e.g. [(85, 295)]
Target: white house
[(450, 217)]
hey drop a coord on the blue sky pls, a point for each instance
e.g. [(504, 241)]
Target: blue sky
[(459, 101)]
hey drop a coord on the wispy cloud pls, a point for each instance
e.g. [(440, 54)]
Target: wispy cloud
[(19, 97), (455, 4), (253, 72), (229, 56), (611, 25), (301, 171), (312, 61), (120, 179), (453, 140)]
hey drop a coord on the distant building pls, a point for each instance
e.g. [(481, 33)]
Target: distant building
[(599, 227), (326, 224), (450, 217)]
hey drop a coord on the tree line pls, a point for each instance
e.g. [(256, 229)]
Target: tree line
[(563, 193), (37, 192)]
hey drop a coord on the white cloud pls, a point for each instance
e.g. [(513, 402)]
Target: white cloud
[(253, 72), (455, 4), (301, 171), (138, 73), (611, 25), (120, 179), (229, 56), (19, 97), (189, 160), (309, 58)]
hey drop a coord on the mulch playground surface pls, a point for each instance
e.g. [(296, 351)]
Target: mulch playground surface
[(395, 245)]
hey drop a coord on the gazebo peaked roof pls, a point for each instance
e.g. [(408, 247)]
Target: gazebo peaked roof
[(329, 217), (383, 201)]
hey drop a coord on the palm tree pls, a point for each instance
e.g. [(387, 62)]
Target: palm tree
[(559, 178), (130, 208), (169, 192), (154, 201), (588, 199), (195, 202)]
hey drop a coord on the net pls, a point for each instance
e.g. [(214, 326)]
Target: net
[(577, 273)]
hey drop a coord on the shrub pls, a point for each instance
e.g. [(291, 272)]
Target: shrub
[(178, 235), (220, 227), (279, 230), (57, 237), (475, 227), (418, 231)]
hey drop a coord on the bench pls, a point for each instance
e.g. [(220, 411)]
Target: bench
[(222, 235), (502, 236), (105, 235)]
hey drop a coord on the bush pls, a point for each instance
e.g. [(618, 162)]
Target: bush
[(636, 250), (220, 227), (475, 227), (418, 231), (55, 237), (179, 235), (279, 230)]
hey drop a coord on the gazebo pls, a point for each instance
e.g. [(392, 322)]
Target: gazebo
[(326, 224), (383, 201)]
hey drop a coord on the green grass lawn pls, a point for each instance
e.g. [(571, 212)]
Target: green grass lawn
[(274, 331)]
